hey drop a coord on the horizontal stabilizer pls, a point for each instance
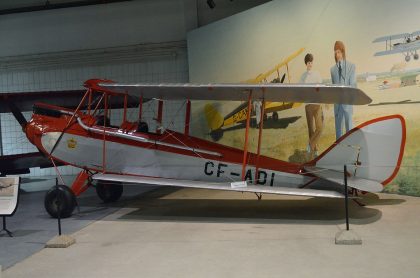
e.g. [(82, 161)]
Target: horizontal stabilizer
[(338, 177), (219, 186)]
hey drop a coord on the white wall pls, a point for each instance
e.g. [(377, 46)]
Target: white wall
[(139, 41), (164, 69)]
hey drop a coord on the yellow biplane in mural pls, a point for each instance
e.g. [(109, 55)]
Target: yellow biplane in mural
[(218, 124)]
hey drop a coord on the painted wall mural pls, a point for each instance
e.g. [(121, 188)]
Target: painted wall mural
[(372, 45)]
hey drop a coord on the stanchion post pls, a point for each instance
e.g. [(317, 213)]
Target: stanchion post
[(346, 194), (58, 196)]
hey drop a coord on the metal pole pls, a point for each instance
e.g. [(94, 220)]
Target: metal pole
[(346, 194), (1, 140), (259, 140), (248, 119), (58, 196)]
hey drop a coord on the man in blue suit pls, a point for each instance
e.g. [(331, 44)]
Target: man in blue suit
[(344, 73)]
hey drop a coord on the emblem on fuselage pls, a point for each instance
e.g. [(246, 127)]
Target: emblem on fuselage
[(71, 143)]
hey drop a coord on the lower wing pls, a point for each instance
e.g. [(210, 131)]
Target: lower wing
[(239, 187)]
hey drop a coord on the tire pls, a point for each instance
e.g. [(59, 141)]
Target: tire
[(109, 193), (275, 116), (67, 200), (216, 134)]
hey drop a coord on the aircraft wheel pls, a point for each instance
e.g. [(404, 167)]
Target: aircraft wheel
[(109, 192), (416, 56), (60, 195), (407, 58), (216, 134), (275, 116)]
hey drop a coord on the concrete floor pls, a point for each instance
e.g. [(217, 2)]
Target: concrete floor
[(32, 227), (200, 233)]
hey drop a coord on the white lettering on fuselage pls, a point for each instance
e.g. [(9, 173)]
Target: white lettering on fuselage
[(221, 170)]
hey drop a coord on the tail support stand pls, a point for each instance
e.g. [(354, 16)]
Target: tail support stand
[(9, 233), (347, 236)]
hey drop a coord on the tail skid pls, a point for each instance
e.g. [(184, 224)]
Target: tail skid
[(372, 151)]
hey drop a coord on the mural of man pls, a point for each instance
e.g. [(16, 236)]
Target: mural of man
[(344, 73), (314, 116)]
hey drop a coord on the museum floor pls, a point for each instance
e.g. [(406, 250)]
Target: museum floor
[(200, 233)]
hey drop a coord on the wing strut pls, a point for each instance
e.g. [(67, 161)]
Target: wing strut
[(248, 119), (159, 116), (187, 118), (259, 139)]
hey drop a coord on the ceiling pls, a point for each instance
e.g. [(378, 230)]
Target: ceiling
[(205, 15)]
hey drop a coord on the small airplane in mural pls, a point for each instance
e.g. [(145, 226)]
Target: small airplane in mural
[(237, 117), (112, 155), (406, 43)]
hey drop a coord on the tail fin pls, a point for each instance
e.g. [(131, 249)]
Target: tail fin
[(214, 118), (372, 150)]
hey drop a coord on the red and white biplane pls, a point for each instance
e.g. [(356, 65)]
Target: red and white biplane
[(110, 156)]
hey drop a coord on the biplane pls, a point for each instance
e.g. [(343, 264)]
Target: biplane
[(111, 155), (218, 124), (407, 44)]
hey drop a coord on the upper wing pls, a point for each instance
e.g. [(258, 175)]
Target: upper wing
[(392, 37), (24, 101), (239, 92), (219, 186), (263, 76)]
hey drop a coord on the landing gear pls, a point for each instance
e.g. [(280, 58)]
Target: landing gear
[(416, 56), (108, 192), (216, 134), (275, 116), (60, 199), (407, 58)]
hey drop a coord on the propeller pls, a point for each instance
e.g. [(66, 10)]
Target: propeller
[(17, 113)]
